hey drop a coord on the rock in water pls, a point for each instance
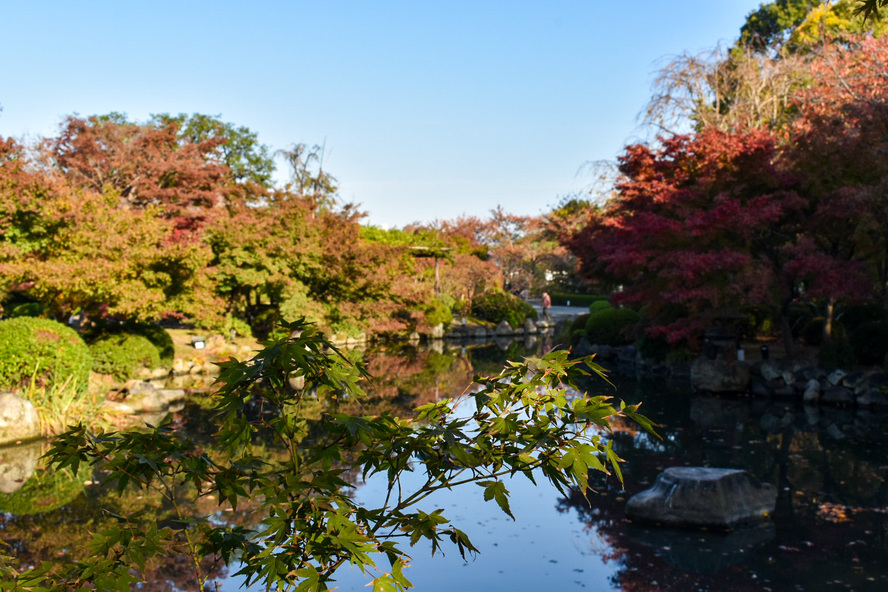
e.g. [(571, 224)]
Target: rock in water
[(719, 376), (703, 497)]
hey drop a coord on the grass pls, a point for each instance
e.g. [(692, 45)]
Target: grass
[(61, 405)]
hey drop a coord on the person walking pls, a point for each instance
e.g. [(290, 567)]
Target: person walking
[(547, 304)]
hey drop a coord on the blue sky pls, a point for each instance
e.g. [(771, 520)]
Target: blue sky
[(428, 109)]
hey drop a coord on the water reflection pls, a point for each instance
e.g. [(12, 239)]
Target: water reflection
[(829, 531), (17, 464)]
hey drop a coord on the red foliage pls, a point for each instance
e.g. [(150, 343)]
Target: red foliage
[(706, 223), (145, 164)]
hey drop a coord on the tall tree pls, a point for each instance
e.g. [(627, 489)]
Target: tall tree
[(73, 249), (239, 149), (707, 223), (146, 164)]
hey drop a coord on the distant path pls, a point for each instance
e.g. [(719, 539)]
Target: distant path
[(560, 312)]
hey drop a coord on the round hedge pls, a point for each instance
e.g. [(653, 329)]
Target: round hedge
[(153, 332), (600, 305), (46, 350), (608, 326), (496, 307), (123, 354)]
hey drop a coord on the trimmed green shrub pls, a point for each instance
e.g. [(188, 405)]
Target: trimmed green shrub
[(870, 342), (579, 323), (46, 350), (496, 307), (123, 354), (28, 309), (610, 326), (600, 305), (153, 332), (576, 335), (561, 299)]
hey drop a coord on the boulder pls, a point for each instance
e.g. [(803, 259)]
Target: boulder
[(144, 398), (836, 376), (530, 326), (19, 421), (504, 329), (719, 376), (873, 399), (812, 391), (701, 497), (837, 395), (582, 349), (759, 387), (769, 371)]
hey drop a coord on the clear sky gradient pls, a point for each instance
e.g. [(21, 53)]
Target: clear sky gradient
[(428, 109)]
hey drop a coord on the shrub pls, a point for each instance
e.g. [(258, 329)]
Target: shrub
[(854, 315), (496, 307), (153, 332), (579, 323), (836, 353), (609, 326), (870, 342), (123, 354), (28, 309), (653, 348), (438, 313), (46, 350), (576, 336), (561, 299), (600, 305)]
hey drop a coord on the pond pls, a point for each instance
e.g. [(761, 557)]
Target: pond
[(828, 532)]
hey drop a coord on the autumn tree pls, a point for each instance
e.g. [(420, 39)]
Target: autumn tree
[(837, 139), (239, 149), (74, 249), (752, 84), (708, 223), (145, 164)]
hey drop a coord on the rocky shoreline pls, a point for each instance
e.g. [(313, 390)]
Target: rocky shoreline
[(781, 378)]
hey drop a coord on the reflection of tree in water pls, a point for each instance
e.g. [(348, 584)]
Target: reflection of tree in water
[(830, 526), (406, 377)]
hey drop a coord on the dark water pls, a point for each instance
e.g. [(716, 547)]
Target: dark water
[(829, 530)]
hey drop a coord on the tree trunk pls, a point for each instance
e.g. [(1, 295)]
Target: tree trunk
[(828, 323)]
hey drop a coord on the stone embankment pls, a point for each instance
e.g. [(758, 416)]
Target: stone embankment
[(458, 331), (786, 379)]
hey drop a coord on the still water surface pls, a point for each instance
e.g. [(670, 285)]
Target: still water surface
[(829, 531)]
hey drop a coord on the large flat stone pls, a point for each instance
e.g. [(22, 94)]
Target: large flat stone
[(703, 497)]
